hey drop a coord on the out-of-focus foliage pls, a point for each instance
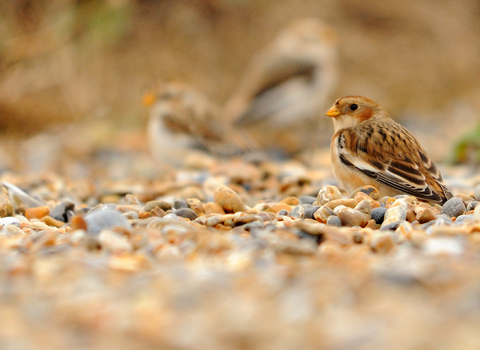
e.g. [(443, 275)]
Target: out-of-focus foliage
[(467, 148)]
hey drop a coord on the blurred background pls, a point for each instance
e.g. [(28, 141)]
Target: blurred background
[(88, 62)]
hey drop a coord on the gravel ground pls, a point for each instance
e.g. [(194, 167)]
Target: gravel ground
[(237, 254)]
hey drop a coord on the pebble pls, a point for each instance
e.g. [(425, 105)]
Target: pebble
[(60, 211), (114, 242), (196, 205), (395, 213), (186, 213), (9, 220), (476, 193), (382, 243), (471, 205), (476, 213), (323, 213), (310, 211), (11, 231), (228, 200), (334, 220), (327, 194), (351, 217), (307, 199), (368, 190), (99, 220), (454, 207), (37, 212), (425, 215), (378, 214), (179, 203)]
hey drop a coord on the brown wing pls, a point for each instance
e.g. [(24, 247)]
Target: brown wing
[(402, 164)]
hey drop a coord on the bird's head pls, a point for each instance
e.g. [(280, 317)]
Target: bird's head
[(349, 111)]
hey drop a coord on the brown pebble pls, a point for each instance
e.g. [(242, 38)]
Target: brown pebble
[(349, 202), (37, 212), (351, 217), (195, 205), (279, 206), (290, 201), (213, 208), (52, 222), (327, 194), (360, 196), (78, 223), (425, 215), (323, 213)]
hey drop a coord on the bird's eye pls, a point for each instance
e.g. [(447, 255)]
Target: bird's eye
[(353, 107)]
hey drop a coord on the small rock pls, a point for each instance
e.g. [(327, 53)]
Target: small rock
[(310, 211), (290, 201), (454, 207), (365, 208), (9, 220), (114, 242), (179, 203), (59, 212), (348, 202), (195, 205), (476, 213), (392, 226), (368, 190), (334, 220), (186, 213), (396, 213), (327, 194), (11, 231), (297, 211), (307, 199), (378, 214), (213, 208), (228, 200), (37, 212), (464, 219), (471, 205), (351, 217), (476, 193), (99, 220), (322, 214), (425, 215)]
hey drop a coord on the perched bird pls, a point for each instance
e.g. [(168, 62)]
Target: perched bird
[(286, 86), (370, 148), (182, 119)]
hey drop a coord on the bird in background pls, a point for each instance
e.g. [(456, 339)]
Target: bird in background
[(370, 148), (182, 119), (285, 87)]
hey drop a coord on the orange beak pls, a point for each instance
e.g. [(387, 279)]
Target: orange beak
[(333, 112), (149, 99)]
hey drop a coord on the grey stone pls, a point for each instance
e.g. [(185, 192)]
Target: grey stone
[(60, 211), (334, 220), (454, 207), (378, 214), (99, 220)]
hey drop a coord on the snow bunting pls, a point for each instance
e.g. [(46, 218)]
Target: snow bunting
[(370, 148), (182, 119), (286, 86)]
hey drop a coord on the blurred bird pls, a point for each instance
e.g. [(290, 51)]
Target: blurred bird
[(182, 119), (370, 148), (285, 87)]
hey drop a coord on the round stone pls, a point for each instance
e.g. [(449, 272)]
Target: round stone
[(454, 207), (351, 217), (396, 213), (179, 203), (310, 211), (327, 194), (307, 199), (228, 200), (187, 213), (334, 220), (60, 211), (476, 193), (99, 220), (378, 214)]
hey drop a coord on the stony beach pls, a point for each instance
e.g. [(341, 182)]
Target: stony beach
[(234, 254)]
